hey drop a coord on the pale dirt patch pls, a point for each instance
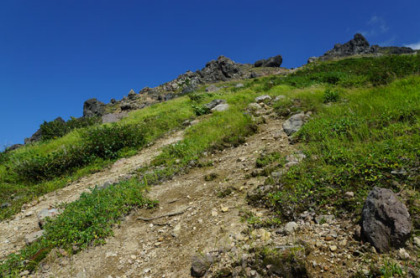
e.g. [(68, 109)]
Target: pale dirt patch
[(164, 247), (13, 231)]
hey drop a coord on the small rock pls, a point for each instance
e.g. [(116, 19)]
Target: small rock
[(403, 254), (262, 98), (333, 248), (32, 237), (24, 273), (224, 209), (291, 227), (212, 88), (45, 213), (239, 85), (343, 242), (29, 214), (176, 230), (221, 107), (200, 265), (279, 97), (110, 254), (417, 241), (349, 194)]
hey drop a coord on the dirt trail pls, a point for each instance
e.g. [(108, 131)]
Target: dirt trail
[(163, 247), (14, 231)]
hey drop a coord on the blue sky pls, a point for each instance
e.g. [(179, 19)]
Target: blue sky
[(56, 54)]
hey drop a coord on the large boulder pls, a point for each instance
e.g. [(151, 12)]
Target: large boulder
[(273, 62), (221, 69), (386, 222), (93, 107), (294, 123)]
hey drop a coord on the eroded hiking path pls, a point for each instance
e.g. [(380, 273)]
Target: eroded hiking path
[(163, 247), (13, 232)]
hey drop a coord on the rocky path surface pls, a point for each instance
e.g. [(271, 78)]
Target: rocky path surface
[(13, 232), (203, 219)]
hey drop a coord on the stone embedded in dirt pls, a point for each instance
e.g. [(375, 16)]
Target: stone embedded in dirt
[(221, 107), (291, 227), (294, 159), (324, 218), (214, 103), (200, 265), (212, 88), (177, 230), (403, 254), (32, 237), (333, 248), (386, 222), (44, 213), (262, 98), (239, 85), (349, 194), (294, 123), (417, 241)]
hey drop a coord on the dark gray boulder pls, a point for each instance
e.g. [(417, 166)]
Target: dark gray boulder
[(93, 107), (273, 62), (386, 222), (221, 69)]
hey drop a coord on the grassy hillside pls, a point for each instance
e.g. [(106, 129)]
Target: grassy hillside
[(364, 132)]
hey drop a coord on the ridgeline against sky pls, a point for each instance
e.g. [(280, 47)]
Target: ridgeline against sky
[(56, 54)]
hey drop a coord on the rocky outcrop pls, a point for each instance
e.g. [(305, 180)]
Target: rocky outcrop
[(93, 107), (356, 46), (34, 138), (218, 70), (13, 147), (273, 62), (386, 222), (359, 46)]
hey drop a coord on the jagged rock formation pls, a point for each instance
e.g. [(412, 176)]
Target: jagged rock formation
[(273, 62), (359, 46), (93, 107)]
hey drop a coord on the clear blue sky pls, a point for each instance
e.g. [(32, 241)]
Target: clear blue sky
[(55, 54)]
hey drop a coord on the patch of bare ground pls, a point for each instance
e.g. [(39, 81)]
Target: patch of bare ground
[(192, 217)]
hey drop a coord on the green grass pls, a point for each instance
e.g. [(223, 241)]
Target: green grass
[(364, 126), (354, 145)]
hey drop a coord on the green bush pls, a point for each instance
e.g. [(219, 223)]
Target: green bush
[(331, 96), (59, 128), (100, 142)]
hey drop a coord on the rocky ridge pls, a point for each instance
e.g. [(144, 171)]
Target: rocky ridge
[(359, 46)]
